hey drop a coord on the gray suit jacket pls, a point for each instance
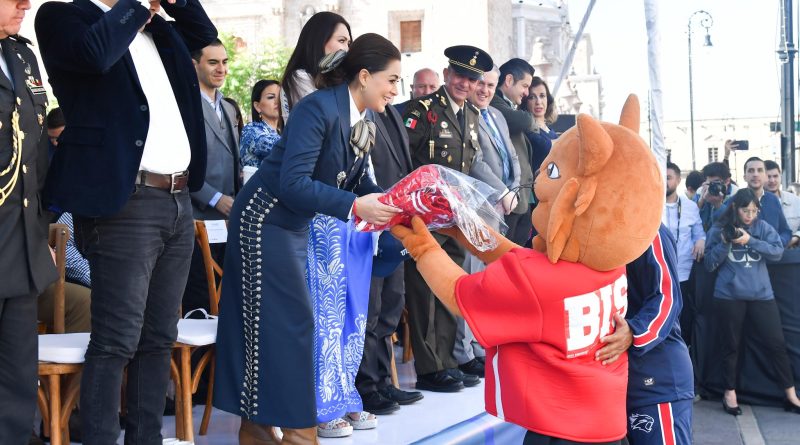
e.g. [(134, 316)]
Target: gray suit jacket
[(222, 168), (490, 151)]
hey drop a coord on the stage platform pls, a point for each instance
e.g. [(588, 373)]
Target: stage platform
[(438, 419)]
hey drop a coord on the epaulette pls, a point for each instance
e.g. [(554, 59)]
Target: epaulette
[(426, 103), (473, 107), (21, 39)]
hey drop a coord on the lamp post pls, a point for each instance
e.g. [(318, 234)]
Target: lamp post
[(706, 21)]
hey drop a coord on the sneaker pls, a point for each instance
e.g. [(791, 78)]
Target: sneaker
[(376, 403), (365, 421), (398, 395), (335, 428)]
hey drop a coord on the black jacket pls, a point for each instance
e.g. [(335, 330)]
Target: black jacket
[(26, 266)]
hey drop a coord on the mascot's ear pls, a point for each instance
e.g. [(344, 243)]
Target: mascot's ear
[(562, 215), (595, 148), (630, 114)]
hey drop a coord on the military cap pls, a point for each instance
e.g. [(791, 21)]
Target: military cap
[(469, 61)]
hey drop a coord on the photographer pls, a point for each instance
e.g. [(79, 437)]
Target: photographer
[(739, 245), (714, 192)]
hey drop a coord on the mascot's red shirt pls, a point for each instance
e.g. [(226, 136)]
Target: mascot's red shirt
[(541, 325)]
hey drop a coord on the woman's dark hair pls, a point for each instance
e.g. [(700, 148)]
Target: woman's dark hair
[(550, 113), (741, 199), (255, 96), (371, 52), (311, 47)]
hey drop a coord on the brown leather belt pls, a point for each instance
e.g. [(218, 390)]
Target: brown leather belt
[(175, 182)]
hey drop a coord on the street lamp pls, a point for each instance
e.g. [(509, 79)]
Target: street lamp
[(706, 21)]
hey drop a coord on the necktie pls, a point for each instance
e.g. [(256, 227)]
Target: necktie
[(460, 117), (501, 147)]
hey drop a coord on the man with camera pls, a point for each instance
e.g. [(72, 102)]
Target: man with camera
[(790, 203), (714, 192)]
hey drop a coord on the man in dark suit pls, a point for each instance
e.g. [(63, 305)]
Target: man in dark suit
[(133, 147), (391, 161), (25, 261), (214, 200), (515, 79)]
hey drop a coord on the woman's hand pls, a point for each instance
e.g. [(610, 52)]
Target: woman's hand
[(744, 237), (371, 210)]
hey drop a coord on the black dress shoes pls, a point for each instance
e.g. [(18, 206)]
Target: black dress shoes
[(474, 367), (398, 395), (440, 381), (790, 407), (469, 380), (375, 403), (732, 410)]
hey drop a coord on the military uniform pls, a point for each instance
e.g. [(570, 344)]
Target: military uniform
[(435, 135), (25, 261), (438, 135)]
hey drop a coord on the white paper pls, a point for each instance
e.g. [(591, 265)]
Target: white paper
[(217, 231)]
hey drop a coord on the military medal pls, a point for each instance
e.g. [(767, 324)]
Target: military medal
[(35, 85), (444, 124)]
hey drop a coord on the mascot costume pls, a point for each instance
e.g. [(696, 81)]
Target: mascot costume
[(540, 313)]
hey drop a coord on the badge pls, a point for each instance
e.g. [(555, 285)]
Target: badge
[(474, 135), (35, 85), (40, 118), (444, 153), (432, 117), (445, 134), (444, 125), (443, 101), (449, 159), (340, 178), (411, 123), (28, 70), (416, 113)]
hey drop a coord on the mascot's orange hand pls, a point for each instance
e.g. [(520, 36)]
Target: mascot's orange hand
[(435, 266), (417, 240)]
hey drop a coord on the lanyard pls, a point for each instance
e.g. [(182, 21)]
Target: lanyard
[(678, 228)]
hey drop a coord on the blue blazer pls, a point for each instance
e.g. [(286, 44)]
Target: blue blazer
[(85, 53), (303, 169)]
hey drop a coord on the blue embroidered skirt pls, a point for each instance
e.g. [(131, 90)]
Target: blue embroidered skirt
[(338, 274)]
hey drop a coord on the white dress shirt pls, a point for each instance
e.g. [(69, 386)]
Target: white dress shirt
[(790, 203), (166, 148)]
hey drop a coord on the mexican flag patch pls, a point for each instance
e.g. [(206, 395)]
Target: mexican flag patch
[(411, 123)]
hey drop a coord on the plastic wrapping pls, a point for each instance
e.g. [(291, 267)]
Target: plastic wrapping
[(443, 197)]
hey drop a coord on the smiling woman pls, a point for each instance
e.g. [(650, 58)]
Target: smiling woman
[(295, 268)]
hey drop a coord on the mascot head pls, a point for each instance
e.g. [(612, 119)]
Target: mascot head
[(600, 192)]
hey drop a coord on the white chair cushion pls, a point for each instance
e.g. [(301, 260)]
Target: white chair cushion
[(197, 332), (63, 348)]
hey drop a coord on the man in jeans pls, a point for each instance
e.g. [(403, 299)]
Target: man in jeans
[(133, 147)]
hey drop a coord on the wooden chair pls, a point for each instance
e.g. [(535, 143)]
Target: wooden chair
[(193, 334), (60, 356)]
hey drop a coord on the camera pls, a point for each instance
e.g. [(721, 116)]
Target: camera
[(730, 232), (716, 188)]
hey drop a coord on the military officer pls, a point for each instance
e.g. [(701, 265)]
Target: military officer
[(443, 129), (25, 261)]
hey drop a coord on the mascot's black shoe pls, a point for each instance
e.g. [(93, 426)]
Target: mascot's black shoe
[(440, 381)]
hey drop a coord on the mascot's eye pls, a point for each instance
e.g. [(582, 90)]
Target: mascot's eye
[(552, 171)]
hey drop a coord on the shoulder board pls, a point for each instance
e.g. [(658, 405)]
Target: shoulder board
[(426, 103), (472, 107), (21, 39)]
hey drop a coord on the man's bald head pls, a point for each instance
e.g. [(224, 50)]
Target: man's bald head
[(426, 81)]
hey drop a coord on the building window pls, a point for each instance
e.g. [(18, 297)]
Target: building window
[(713, 154), (411, 36)]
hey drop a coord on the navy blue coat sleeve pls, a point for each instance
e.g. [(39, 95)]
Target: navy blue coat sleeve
[(306, 136), (653, 283), (73, 45), (192, 23)]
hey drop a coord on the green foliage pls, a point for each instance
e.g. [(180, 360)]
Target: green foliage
[(246, 67)]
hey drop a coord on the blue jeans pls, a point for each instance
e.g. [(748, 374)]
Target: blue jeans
[(139, 259)]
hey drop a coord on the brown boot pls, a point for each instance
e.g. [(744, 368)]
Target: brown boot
[(305, 436), (251, 433)]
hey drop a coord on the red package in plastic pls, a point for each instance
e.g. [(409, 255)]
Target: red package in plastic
[(443, 198)]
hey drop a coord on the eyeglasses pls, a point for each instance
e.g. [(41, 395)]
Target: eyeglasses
[(750, 212)]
